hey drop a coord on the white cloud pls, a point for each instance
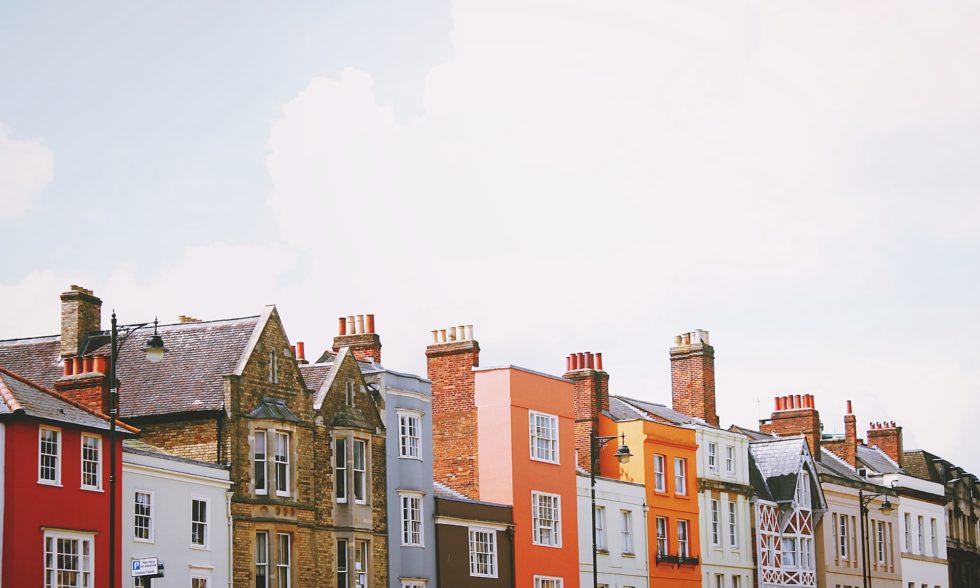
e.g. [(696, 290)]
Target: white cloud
[(26, 169)]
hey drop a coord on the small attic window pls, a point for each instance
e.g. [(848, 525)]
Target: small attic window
[(863, 472), (273, 367), (350, 392)]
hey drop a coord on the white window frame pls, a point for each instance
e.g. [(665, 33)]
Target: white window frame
[(626, 529), (680, 476), (411, 503), (686, 542), (284, 569), (712, 455), (409, 445), (659, 473), (922, 535), (551, 450), (265, 563), (343, 567), (803, 491), (790, 546), (554, 523), (207, 580), (282, 463), (362, 549), (733, 525), (843, 539), (600, 529), (548, 582), (730, 459), (50, 574), (475, 542), (98, 462), (933, 526), (663, 539), (151, 519), (908, 532), (716, 522), (57, 456), (340, 470), (362, 485), (207, 523), (881, 552), (262, 434), (413, 584)]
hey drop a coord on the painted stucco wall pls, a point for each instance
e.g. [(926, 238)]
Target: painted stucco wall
[(926, 566), (727, 486), (617, 568), (174, 485), (411, 394)]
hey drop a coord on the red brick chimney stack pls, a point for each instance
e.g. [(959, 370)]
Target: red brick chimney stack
[(795, 415), (692, 376), (357, 332), (888, 437), (85, 381), (450, 360), (591, 398)]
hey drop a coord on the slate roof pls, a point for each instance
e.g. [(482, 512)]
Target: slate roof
[(189, 379), (876, 460), (314, 374), (443, 491), (662, 413), (752, 434), (918, 463), (779, 462), (831, 464), (19, 396)]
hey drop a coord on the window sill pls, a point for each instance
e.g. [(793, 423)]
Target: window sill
[(412, 457), (545, 545), (629, 555), (547, 461), (144, 541), (49, 483), (200, 547), (91, 489)]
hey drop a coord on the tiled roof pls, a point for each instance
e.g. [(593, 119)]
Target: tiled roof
[(21, 396), (752, 434), (779, 462), (835, 466), (662, 413), (189, 379), (314, 374), (918, 463), (876, 460)]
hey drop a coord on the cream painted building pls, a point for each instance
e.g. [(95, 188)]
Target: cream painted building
[(621, 533), (921, 515)]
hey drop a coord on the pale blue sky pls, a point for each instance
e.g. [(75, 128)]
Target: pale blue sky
[(800, 179)]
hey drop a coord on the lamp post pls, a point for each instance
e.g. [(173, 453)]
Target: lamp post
[(623, 454), (154, 351), (886, 508)]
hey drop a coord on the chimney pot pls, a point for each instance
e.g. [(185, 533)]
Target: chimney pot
[(360, 324), (686, 338), (292, 351), (574, 357), (342, 326), (100, 363), (850, 410), (780, 402), (461, 331), (435, 336), (77, 365), (792, 404), (568, 363), (678, 340), (581, 361), (442, 335), (598, 361), (69, 367), (301, 350), (589, 364), (799, 401), (350, 325), (469, 332), (370, 323), (87, 364), (452, 333)]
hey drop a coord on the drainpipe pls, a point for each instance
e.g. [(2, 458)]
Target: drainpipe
[(646, 552), (231, 537)]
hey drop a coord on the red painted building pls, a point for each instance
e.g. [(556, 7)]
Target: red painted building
[(54, 510)]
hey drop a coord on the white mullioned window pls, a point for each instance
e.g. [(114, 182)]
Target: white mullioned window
[(803, 491), (880, 534), (661, 536), (683, 548), (548, 582), (409, 435), (49, 456), (546, 519), (282, 464), (732, 525), (712, 455), (361, 562), (259, 459), (483, 552), (680, 476), (933, 536), (340, 469), (283, 561), (411, 506), (342, 571), (143, 519), (843, 545), (659, 476), (91, 461), (544, 437), (200, 534), (199, 582), (69, 560), (360, 471), (626, 528), (789, 551), (908, 532), (715, 522), (730, 459), (922, 535), (600, 528), (262, 559)]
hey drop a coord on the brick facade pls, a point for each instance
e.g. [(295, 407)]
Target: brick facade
[(591, 400), (888, 437), (795, 416), (692, 376), (357, 333), (454, 416)]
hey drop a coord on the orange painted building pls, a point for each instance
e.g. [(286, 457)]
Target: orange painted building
[(506, 435), (664, 462)]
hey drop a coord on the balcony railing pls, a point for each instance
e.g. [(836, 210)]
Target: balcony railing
[(677, 560)]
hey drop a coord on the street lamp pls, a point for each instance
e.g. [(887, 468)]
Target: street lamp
[(623, 455), (886, 509), (154, 350)]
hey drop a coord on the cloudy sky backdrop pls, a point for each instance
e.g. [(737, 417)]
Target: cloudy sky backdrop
[(801, 179)]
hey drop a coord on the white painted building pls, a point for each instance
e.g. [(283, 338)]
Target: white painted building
[(176, 510), (922, 528), (621, 533)]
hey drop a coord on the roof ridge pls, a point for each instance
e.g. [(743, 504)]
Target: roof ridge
[(204, 322), (52, 337), (629, 399), (7, 395), (67, 400)]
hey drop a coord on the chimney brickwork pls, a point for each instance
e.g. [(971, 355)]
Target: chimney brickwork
[(591, 399), (357, 332), (450, 360), (81, 314), (846, 447), (795, 415), (692, 376), (85, 381), (888, 437)]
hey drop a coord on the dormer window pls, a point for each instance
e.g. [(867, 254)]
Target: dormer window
[(863, 472)]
